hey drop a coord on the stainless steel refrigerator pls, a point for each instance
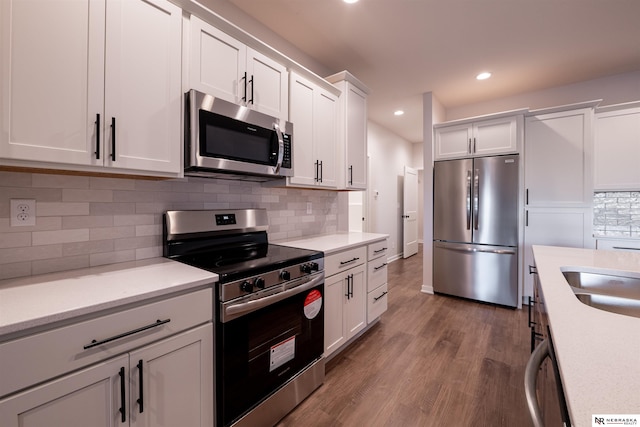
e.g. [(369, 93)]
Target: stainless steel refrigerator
[(475, 228)]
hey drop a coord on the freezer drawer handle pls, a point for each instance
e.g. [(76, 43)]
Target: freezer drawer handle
[(490, 251), (95, 343)]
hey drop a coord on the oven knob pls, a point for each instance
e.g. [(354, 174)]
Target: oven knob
[(285, 275), (306, 268), (246, 286), (314, 266), (259, 282)]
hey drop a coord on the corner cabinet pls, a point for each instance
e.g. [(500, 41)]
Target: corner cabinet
[(478, 138), (156, 376), (352, 126), (223, 66), (617, 148), (313, 111), (74, 98)]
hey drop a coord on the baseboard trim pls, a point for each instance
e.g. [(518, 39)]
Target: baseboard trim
[(426, 289)]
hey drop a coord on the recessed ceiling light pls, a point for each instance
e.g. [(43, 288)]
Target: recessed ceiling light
[(398, 113), (350, 1), (483, 76)]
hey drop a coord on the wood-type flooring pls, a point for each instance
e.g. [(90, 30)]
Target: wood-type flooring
[(431, 360)]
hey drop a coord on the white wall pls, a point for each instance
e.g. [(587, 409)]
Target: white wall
[(388, 155), (615, 89)]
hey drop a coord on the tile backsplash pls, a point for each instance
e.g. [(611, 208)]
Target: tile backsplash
[(616, 214), (86, 221)]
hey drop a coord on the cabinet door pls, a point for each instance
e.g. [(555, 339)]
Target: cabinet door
[(301, 93), (356, 307), (325, 137), (498, 136), (617, 150), (335, 290), (177, 381), (218, 62), (453, 141), (268, 85), (553, 227), (557, 159), (90, 397), (143, 94), (356, 138), (52, 63)]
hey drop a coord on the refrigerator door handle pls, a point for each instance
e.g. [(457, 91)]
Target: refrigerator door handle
[(468, 200), (475, 249), (476, 198)]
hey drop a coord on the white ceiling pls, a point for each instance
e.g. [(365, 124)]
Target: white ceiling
[(403, 48)]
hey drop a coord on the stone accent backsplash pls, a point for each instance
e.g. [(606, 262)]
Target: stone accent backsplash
[(86, 221), (616, 214)]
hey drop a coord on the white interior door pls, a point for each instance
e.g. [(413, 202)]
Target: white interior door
[(410, 213)]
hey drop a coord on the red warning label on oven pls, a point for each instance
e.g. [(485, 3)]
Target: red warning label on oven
[(312, 304)]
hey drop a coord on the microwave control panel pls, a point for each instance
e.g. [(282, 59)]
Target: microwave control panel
[(286, 158)]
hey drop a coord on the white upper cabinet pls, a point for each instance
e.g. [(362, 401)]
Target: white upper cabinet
[(558, 159), (481, 138), (313, 112), (617, 148), (94, 63), (225, 67), (352, 123)]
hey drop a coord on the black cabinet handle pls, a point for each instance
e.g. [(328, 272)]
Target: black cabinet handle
[(526, 197), (348, 282), (140, 387), (321, 171), (378, 268), (474, 144), (113, 139), (351, 291), (98, 136), (317, 176), (122, 410), (95, 343), (531, 322), (533, 269), (350, 261), (383, 249), (351, 175), (244, 98), (251, 81), (383, 294)]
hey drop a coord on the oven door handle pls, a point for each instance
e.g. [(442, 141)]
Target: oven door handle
[(236, 310)]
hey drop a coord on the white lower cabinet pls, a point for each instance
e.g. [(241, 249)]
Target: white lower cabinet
[(346, 297), (168, 382), (377, 289)]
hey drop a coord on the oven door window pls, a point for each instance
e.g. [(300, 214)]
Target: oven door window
[(259, 352), (226, 138)]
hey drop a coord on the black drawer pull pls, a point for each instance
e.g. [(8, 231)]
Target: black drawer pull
[(95, 343), (378, 268), (533, 269), (383, 294), (350, 261), (140, 400), (123, 408), (379, 250)]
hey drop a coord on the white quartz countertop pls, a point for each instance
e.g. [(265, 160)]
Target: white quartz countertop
[(598, 352), (39, 300), (330, 243)]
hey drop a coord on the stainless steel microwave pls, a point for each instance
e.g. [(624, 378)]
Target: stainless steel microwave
[(223, 139)]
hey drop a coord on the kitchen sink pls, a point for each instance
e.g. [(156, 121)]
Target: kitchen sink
[(604, 283), (605, 291)]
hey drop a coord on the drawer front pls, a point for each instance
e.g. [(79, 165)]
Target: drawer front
[(378, 249), (41, 356), (344, 260), (618, 245), (377, 274), (376, 303)]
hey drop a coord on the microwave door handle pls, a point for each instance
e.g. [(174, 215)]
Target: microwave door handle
[(276, 127)]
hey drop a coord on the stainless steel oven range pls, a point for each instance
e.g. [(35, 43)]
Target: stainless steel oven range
[(269, 312)]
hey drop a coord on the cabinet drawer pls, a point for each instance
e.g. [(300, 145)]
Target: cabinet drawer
[(51, 353), (344, 260), (377, 274), (376, 303), (618, 244), (378, 249)]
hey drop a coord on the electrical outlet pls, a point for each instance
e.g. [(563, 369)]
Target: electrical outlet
[(23, 212), (309, 207)]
